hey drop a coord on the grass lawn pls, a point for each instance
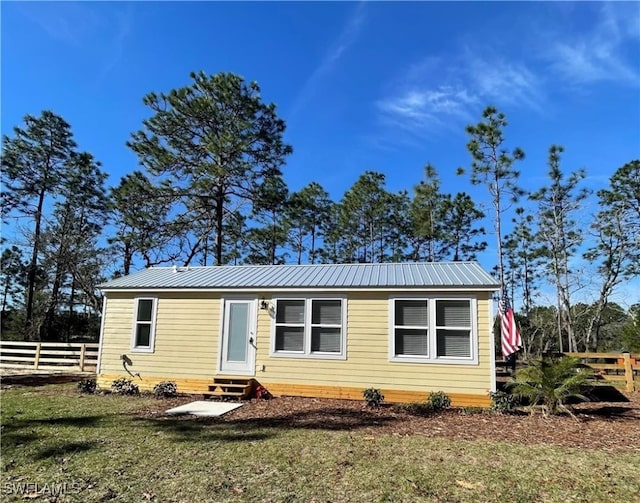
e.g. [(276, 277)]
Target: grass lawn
[(109, 448)]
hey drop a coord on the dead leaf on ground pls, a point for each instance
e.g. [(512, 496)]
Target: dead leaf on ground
[(470, 485)]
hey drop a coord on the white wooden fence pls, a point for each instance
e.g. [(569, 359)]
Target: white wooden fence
[(59, 356)]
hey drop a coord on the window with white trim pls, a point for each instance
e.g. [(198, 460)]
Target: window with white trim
[(411, 327), (433, 329), (144, 324), (453, 328), (310, 327)]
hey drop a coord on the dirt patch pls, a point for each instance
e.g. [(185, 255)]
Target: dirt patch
[(611, 426), (14, 379)]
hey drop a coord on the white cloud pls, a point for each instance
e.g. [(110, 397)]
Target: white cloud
[(336, 50), (417, 108), (446, 92), (435, 95), (501, 81), (599, 53)]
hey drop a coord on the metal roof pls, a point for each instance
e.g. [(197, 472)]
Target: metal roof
[(465, 275)]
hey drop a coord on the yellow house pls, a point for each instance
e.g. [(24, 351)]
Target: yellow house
[(305, 330)]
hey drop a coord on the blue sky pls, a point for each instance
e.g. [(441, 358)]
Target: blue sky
[(362, 86)]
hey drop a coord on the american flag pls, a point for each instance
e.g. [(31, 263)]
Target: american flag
[(511, 340)]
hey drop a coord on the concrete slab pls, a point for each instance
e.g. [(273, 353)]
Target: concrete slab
[(205, 408)]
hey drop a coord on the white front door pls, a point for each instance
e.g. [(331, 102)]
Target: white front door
[(238, 349)]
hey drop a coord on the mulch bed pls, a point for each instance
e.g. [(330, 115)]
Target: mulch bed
[(609, 423), (613, 426)]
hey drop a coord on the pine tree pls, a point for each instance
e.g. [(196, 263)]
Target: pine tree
[(77, 221), (560, 236), (270, 237), (307, 212), (34, 165), (139, 213), (493, 167), (459, 219), (363, 219), (616, 232), (211, 145), (426, 210)]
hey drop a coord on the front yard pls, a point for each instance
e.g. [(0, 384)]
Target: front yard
[(58, 445)]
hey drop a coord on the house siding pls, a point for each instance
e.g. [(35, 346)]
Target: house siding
[(187, 340)]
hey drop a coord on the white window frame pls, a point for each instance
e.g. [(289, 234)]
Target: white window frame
[(426, 327), (152, 330), (306, 345), (432, 334)]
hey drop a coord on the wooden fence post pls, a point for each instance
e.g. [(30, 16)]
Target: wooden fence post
[(628, 371), (83, 349), (36, 358)]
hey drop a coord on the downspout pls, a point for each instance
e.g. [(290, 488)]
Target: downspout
[(101, 340), (492, 345)]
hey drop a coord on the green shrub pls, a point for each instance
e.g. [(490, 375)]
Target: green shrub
[(165, 389), (551, 381), (124, 386), (439, 401), (373, 397), (501, 401), (87, 386)]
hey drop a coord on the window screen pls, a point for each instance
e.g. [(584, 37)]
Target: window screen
[(290, 312), (411, 328), (309, 326), (289, 338), (453, 328), (143, 331)]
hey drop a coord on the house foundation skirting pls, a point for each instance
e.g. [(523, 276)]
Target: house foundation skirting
[(390, 395), (197, 386), (185, 385)]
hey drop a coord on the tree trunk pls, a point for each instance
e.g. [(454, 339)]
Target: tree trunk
[(72, 299), (33, 265), (5, 294), (127, 259), (219, 197), (498, 228), (273, 237), (559, 322), (53, 304), (312, 251), (300, 246)]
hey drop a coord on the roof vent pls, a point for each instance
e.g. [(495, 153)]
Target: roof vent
[(175, 268)]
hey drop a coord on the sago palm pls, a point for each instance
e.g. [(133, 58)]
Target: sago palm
[(551, 381)]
